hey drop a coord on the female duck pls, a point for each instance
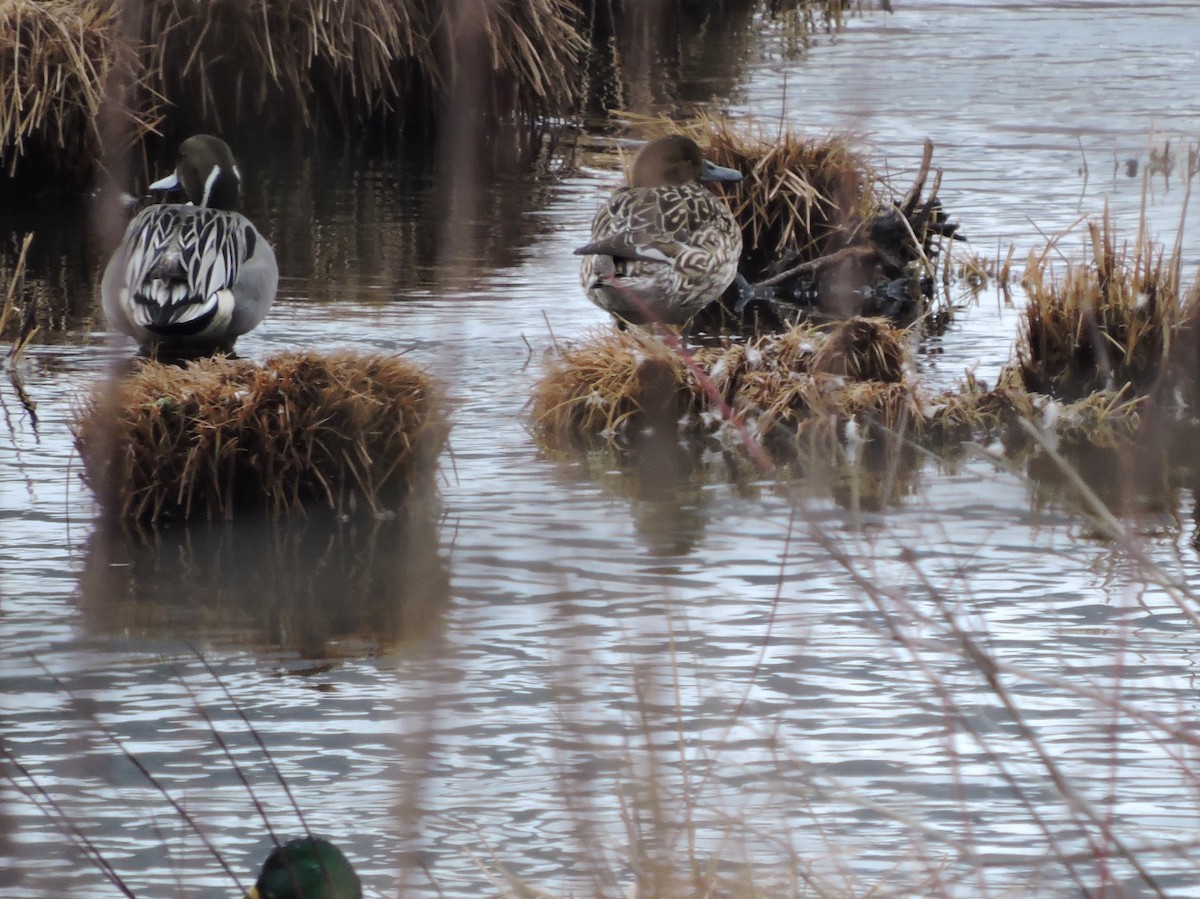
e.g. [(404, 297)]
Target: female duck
[(191, 278), (665, 247)]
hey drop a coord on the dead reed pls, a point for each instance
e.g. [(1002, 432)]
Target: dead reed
[(777, 388), (73, 70), (345, 63), (58, 61), (220, 436), (1112, 320), (803, 393)]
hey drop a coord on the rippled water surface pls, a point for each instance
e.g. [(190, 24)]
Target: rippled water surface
[(563, 653)]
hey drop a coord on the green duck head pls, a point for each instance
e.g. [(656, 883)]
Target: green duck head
[(306, 868)]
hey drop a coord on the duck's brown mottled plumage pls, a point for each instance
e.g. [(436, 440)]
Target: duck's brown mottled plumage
[(664, 247)]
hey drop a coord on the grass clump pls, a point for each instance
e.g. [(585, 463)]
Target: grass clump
[(58, 61), (774, 389), (348, 63), (810, 394), (220, 436), (1110, 321)]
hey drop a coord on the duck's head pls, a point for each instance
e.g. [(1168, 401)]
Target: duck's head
[(306, 868), (674, 160), (206, 172)]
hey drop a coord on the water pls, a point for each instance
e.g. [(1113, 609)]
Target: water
[(561, 647)]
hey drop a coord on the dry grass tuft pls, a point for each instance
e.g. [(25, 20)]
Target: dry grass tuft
[(220, 436), (1108, 322), (864, 349), (609, 387), (802, 394), (58, 58), (607, 391), (349, 62)]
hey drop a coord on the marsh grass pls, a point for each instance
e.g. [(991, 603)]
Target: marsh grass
[(221, 436), (782, 389), (85, 79), (64, 65), (1112, 319), (361, 64)]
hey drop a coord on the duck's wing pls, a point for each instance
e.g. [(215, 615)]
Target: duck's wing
[(651, 224), (179, 262)]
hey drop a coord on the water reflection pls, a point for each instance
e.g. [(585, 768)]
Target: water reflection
[(676, 55), (322, 587)]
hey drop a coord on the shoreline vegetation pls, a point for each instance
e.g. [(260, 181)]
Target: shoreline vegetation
[(85, 81)]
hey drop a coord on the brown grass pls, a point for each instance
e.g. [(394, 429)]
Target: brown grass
[(58, 58), (220, 436), (1108, 322), (70, 75), (322, 63), (802, 393), (610, 389)]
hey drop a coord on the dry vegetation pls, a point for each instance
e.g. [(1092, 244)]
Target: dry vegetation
[(84, 78), (73, 70), (330, 63), (59, 59), (796, 394), (776, 389), (221, 436), (1114, 319)]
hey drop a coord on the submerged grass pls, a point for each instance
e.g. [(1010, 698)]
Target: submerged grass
[(809, 378), (221, 436)]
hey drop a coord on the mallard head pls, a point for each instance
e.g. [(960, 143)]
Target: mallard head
[(306, 868), (207, 173)]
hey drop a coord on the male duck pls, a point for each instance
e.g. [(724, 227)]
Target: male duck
[(306, 868), (191, 278), (665, 247)]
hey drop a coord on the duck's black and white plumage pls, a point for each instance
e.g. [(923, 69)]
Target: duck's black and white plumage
[(192, 277), (665, 247)]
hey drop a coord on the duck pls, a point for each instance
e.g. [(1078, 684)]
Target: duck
[(306, 868), (191, 277), (664, 247)]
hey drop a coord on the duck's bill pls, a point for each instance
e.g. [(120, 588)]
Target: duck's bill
[(168, 183), (710, 171)]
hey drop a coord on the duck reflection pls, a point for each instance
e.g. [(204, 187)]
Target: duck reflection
[(322, 587)]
